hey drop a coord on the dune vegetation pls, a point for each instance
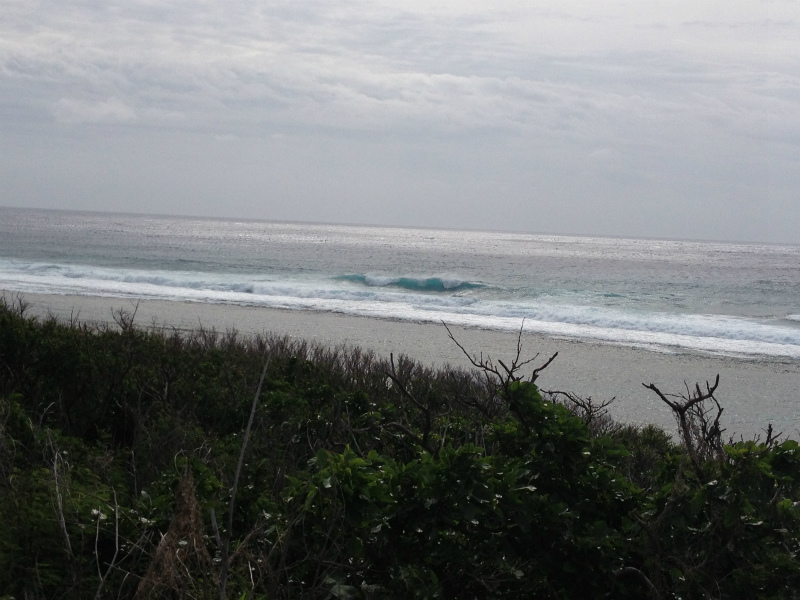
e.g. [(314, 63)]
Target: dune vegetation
[(142, 462)]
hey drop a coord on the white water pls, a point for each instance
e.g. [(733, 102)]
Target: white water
[(379, 296)]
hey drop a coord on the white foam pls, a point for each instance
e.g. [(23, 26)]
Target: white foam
[(380, 280), (711, 333)]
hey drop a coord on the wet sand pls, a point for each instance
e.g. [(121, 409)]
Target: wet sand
[(753, 392)]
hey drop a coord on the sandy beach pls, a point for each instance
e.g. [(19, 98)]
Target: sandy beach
[(753, 392)]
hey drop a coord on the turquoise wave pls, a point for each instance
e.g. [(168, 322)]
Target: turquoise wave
[(416, 284)]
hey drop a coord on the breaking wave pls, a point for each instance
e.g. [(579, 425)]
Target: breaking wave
[(420, 299), (421, 284)]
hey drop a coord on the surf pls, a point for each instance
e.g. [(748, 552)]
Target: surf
[(424, 299)]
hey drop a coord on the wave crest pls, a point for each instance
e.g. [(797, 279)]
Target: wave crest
[(416, 284)]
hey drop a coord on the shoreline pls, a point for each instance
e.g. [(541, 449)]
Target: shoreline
[(753, 391)]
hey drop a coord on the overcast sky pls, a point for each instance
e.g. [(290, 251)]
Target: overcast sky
[(658, 119)]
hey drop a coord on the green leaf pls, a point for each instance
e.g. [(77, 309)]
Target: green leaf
[(344, 591)]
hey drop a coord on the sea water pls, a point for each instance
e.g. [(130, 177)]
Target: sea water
[(662, 295)]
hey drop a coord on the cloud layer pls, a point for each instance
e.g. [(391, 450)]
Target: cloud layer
[(670, 119)]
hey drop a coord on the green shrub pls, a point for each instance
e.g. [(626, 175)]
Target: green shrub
[(362, 478)]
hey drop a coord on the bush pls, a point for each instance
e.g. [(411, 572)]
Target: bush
[(361, 478)]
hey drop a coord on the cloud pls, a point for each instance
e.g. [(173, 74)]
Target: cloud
[(601, 154), (362, 66), (68, 110)]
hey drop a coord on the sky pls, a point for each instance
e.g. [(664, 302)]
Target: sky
[(675, 119)]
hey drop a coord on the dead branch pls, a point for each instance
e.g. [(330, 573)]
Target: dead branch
[(593, 414), (224, 542), (702, 436), (426, 410), (181, 551), (113, 563), (396, 380), (538, 370), (511, 372), (642, 577)]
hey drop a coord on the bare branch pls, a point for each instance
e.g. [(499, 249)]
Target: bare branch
[(113, 563), (485, 365), (225, 544), (642, 577), (772, 437), (393, 376), (702, 437), (60, 506), (535, 374), (510, 372)]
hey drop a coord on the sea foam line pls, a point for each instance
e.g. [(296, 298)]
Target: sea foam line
[(711, 333)]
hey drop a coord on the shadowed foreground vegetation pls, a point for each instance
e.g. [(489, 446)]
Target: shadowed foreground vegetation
[(158, 464)]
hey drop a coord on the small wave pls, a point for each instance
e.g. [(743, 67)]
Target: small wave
[(416, 284), (793, 317)]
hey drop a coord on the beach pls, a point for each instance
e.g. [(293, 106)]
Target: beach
[(752, 391)]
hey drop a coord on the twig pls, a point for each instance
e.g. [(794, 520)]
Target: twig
[(535, 374), (408, 432), (425, 410), (685, 406), (60, 507), (399, 384), (642, 577), (113, 563), (224, 544)]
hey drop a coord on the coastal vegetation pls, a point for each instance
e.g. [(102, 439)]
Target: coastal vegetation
[(144, 462)]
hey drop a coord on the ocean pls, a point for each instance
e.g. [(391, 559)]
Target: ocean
[(669, 296)]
